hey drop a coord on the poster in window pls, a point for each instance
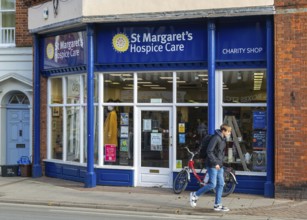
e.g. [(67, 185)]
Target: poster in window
[(110, 153), (181, 138), (124, 119), (178, 164), (259, 120), (259, 139), (156, 141), (124, 131), (124, 145), (259, 161), (181, 128), (123, 158), (146, 124)]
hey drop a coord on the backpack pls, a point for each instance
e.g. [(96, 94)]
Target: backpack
[(204, 146)]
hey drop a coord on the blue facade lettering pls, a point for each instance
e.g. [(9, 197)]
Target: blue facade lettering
[(249, 50), (242, 41), (175, 43)]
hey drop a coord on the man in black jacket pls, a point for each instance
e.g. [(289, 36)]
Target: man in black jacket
[(214, 165)]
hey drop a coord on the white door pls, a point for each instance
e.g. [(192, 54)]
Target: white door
[(154, 145)]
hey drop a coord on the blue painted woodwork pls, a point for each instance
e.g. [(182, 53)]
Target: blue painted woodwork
[(107, 177), (211, 77), (246, 184), (269, 185), (36, 166), (90, 179), (112, 177)]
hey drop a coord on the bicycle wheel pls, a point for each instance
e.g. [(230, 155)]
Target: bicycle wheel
[(230, 184), (180, 182)]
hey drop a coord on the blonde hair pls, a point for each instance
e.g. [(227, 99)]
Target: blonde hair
[(225, 127)]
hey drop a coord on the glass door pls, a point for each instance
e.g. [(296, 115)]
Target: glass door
[(155, 147)]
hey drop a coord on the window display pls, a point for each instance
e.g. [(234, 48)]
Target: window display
[(113, 117), (191, 128), (244, 105), (245, 138), (118, 135)]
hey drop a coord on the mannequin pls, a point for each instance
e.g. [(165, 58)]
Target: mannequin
[(110, 127)]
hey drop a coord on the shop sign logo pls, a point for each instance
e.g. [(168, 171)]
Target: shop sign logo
[(151, 43), (120, 43), (50, 51)]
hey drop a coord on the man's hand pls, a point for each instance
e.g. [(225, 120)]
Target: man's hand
[(217, 167)]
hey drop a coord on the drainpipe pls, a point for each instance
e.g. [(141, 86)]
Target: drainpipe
[(211, 77), (90, 178), (36, 166), (269, 184)]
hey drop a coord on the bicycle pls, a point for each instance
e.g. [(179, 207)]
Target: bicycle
[(183, 177)]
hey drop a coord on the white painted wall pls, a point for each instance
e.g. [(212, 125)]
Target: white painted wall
[(107, 7), (79, 9), (15, 75), (67, 10), (16, 60)]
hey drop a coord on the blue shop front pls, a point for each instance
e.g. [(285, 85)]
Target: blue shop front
[(123, 100)]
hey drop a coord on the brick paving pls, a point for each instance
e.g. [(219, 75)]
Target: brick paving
[(294, 209)]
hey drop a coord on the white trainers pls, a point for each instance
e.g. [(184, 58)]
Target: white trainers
[(193, 199), (220, 208)]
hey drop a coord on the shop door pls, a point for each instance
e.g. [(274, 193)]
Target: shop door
[(155, 147)]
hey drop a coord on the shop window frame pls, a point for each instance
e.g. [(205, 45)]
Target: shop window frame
[(220, 106)]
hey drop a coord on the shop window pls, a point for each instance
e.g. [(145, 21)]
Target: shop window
[(192, 87), (56, 97), (118, 87), (251, 123), (73, 89), (56, 90), (73, 140), (244, 108), (72, 104), (191, 128), (118, 135), (155, 87), (244, 86), (57, 133)]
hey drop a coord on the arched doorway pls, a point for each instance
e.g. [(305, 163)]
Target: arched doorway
[(17, 127)]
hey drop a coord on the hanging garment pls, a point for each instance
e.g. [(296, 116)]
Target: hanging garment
[(110, 129)]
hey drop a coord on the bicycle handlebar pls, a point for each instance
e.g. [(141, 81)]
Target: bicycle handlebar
[(190, 152)]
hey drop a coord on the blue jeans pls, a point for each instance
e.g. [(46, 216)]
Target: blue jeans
[(216, 181)]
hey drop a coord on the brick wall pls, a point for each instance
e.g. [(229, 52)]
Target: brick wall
[(290, 3), (23, 38), (290, 101)]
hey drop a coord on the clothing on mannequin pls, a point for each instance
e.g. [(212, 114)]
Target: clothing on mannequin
[(110, 127)]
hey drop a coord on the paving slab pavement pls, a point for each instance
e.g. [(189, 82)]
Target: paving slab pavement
[(58, 192)]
